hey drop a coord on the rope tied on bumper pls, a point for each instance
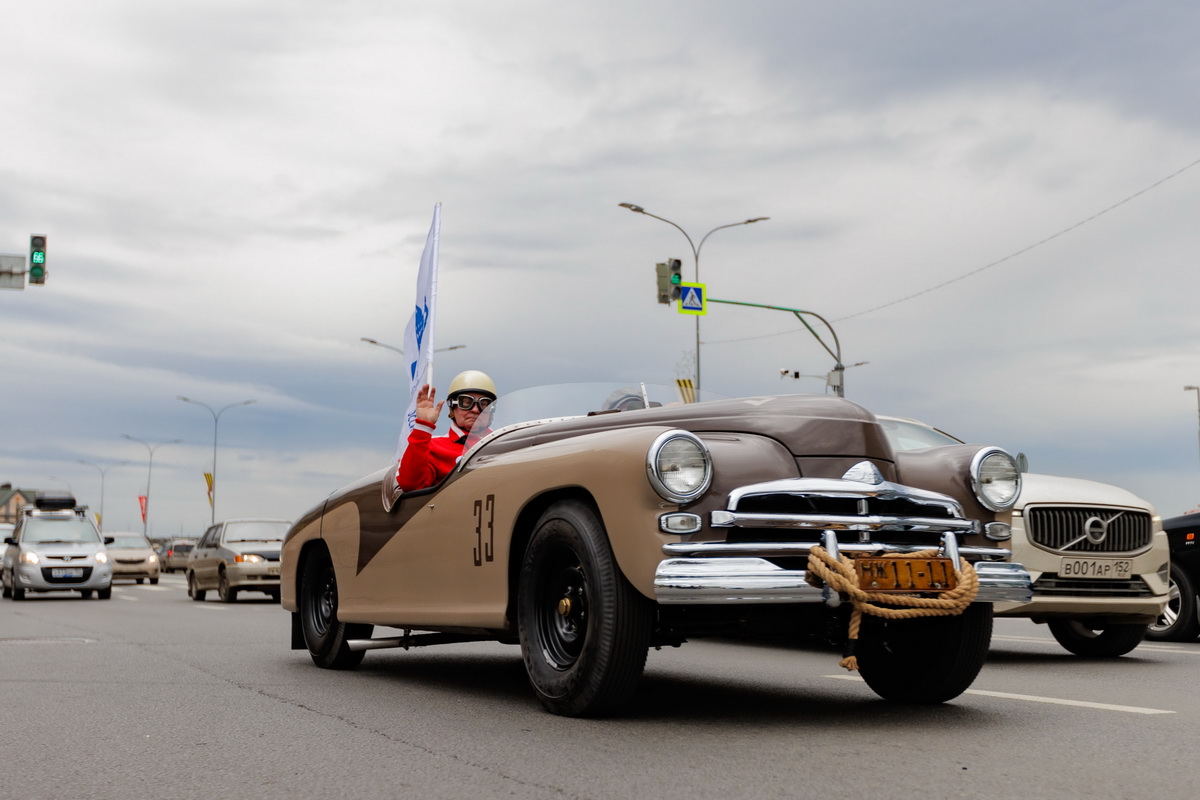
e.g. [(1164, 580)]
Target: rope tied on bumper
[(840, 575)]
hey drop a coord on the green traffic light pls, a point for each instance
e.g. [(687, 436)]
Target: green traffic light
[(37, 273), (676, 278), (39, 257)]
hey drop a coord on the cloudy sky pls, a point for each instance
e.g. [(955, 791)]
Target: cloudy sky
[(994, 204)]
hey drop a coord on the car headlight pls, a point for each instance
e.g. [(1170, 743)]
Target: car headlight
[(995, 479), (679, 466), (102, 557), (28, 557), (249, 558), (153, 559)]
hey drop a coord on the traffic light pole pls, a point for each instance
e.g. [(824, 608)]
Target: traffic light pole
[(836, 351)]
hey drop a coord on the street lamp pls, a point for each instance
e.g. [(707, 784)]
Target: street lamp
[(216, 415), (103, 470), (395, 349), (149, 471), (696, 258)]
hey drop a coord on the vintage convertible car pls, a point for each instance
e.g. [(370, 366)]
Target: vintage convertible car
[(589, 539)]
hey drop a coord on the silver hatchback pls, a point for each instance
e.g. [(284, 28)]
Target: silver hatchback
[(55, 547), (237, 555)]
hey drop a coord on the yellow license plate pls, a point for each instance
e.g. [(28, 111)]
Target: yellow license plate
[(905, 574)]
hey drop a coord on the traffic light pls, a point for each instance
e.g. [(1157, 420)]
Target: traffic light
[(37, 258), (669, 278)]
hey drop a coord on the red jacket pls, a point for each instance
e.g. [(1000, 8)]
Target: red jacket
[(426, 460)]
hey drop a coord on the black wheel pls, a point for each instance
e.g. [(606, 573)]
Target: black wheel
[(86, 594), (6, 591), (18, 593), (225, 592), (139, 581), (1179, 621), (154, 581), (105, 593), (925, 660), (584, 629), (193, 592), (1096, 640), (325, 636)]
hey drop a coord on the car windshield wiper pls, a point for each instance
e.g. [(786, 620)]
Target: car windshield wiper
[(56, 541)]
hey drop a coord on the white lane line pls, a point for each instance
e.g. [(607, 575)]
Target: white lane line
[(1151, 646), (123, 596), (1035, 699)]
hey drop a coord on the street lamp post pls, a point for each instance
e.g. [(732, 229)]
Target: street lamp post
[(696, 259), (102, 471), (216, 415), (1195, 389), (395, 349), (149, 472)]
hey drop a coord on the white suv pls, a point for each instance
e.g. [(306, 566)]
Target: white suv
[(55, 547), (1097, 554)]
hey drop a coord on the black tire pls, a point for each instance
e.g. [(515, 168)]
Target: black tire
[(1096, 640), (584, 629), (18, 593), (926, 660), (154, 581), (6, 591), (86, 594), (1179, 621), (139, 581), (225, 592), (105, 593), (324, 635), (193, 592)]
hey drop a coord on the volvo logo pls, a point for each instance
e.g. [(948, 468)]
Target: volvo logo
[(1096, 529)]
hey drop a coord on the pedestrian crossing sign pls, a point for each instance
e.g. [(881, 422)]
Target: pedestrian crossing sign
[(693, 298)]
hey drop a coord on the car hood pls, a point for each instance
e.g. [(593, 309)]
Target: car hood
[(63, 549), (131, 552), (1037, 489)]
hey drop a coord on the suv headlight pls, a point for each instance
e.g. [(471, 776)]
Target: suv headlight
[(28, 557), (102, 557), (995, 479), (679, 466)]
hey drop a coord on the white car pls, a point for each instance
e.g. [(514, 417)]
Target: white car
[(55, 547), (1097, 554)]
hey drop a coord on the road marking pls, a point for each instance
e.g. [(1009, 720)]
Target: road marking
[(1035, 699), (123, 596)]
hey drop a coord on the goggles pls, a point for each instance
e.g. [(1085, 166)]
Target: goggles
[(466, 402)]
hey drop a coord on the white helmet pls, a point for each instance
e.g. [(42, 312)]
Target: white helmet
[(471, 381)]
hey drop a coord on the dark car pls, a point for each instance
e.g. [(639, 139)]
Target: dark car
[(591, 538), (1180, 621)]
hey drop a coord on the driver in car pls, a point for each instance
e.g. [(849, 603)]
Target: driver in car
[(427, 460)]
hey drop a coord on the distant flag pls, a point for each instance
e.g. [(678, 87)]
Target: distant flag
[(142, 504), (208, 480), (418, 336)]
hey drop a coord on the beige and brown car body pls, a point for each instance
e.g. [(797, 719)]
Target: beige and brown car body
[(788, 472)]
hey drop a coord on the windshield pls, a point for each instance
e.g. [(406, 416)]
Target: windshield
[(60, 530), (128, 540), (256, 531), (579, 399), (905, 434)]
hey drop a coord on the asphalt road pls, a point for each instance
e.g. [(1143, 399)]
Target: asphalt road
[(150, 695)]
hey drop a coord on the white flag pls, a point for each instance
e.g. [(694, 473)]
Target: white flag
[(418, 336)]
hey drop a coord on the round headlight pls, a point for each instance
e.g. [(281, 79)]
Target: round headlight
[(995, 479), (679, 466), (101, 557)]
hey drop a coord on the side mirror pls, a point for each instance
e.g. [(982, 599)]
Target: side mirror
[(10, 540), (109, 539)]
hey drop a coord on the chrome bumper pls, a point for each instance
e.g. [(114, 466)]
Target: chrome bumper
[(717, 573)]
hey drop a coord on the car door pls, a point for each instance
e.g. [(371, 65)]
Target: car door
[(204, 558)]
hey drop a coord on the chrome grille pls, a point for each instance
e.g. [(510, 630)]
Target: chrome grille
[(1088, 530)]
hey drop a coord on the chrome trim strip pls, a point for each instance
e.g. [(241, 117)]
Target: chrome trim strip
[(733, 519), (767, 549), (754, 581)]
